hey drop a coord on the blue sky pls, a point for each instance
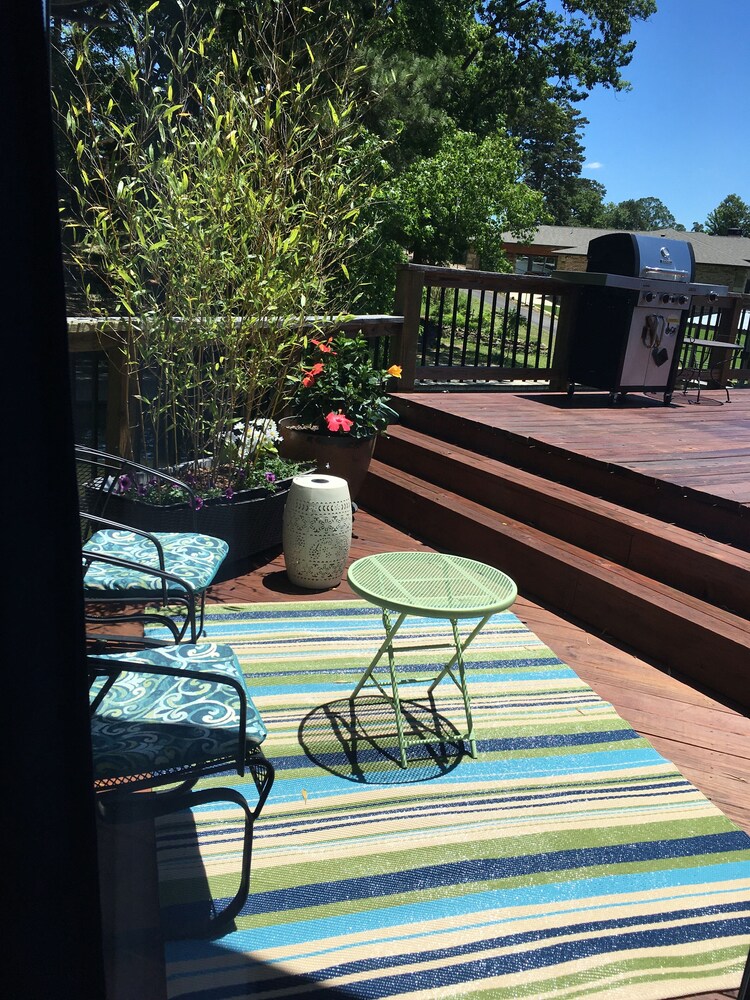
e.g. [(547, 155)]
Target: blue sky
[(682, 134)]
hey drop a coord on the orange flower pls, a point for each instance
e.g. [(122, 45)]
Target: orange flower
[(395, 371), (324, 345), (309, 378)]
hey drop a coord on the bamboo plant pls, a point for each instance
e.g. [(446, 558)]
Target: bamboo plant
[(213, 197)]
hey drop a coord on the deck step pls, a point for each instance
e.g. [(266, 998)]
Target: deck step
[(683, 633), (712, 571), (712, 517)]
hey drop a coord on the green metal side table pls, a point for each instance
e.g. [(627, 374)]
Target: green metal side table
[(430, 585)]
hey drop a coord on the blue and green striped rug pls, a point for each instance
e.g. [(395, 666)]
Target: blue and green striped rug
[(569, 859)]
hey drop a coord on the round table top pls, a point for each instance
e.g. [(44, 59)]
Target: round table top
[(431, 584)]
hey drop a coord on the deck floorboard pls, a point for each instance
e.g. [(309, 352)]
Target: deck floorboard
[(705, 446)]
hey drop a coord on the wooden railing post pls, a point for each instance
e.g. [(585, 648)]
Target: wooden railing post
[(409, 288), (720, 360)]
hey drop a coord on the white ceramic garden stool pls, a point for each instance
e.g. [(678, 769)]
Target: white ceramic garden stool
[(317, 530)]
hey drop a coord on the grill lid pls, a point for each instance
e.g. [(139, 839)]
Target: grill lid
[(642, 256)]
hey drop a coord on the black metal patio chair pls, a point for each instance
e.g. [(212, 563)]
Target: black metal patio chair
[(169, 717), (160, 576)]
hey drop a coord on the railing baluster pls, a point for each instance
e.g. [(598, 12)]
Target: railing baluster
[(425, 325), (452, 342), (477, 348)]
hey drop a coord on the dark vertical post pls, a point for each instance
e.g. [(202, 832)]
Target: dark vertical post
[(720, 361), (409, 287), (52, 937), (560, 358)]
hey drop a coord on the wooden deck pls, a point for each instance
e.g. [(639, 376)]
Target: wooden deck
[(699, 452), (685, 446), (708, 740)]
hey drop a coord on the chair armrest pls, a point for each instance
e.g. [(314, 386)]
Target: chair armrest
[(116, 465), (118, 526)]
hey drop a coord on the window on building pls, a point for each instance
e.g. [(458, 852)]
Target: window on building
[(535, 264)]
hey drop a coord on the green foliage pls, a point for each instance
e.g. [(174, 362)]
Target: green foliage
[(553, 155), (468, 194), (339, 389), (641, 214), (217, 202), (443, 66), (586, 205), (731, 213)]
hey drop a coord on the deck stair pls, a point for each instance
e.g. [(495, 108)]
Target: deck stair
[(671, 594)]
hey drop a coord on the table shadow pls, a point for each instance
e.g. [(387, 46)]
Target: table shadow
[(356, 739)]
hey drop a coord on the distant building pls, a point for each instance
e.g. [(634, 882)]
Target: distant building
[(723, 260)]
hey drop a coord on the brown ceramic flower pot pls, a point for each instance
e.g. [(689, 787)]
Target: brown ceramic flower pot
[(335, 454)]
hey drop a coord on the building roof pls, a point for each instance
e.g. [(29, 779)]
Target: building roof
[(730, 250)]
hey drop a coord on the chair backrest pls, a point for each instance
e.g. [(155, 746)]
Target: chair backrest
[(101, 477), (97, 474)]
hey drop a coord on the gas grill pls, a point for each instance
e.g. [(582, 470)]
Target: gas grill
[(631, 313)]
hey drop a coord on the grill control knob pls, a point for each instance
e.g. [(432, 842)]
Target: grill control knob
[(682, 299), (666, 298), (648, 296), (712, 296)]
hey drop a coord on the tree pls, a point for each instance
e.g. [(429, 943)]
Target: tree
[(639, 214), (582, 45), (731, 213), (587, 203), (553, 155), (502, 64), (467, 194)]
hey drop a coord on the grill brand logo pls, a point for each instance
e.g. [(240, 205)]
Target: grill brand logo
[(666, 257)]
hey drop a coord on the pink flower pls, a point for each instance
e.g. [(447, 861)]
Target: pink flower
[(198, 503), (338, 422)]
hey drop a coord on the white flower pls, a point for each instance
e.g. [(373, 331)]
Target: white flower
[(261, 434)]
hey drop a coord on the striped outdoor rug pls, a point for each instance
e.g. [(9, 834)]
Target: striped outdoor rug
[(568, 860)]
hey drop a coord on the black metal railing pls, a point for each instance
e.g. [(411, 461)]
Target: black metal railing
[(479, 326)]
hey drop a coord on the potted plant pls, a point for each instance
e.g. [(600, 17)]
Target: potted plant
[(339, 404), (240, 497)]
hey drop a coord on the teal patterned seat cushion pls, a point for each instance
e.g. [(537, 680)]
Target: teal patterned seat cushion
[(149, 724), (194, 558)]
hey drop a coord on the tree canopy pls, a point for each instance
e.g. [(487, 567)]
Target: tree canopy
[(443, 85), (731, 214), (642, 214), (466, 195)]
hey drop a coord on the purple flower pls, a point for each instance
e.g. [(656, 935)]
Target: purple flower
[(153, 481), (141, 489), (124, 483), (270, 477), (198, 503), (229, 492)]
